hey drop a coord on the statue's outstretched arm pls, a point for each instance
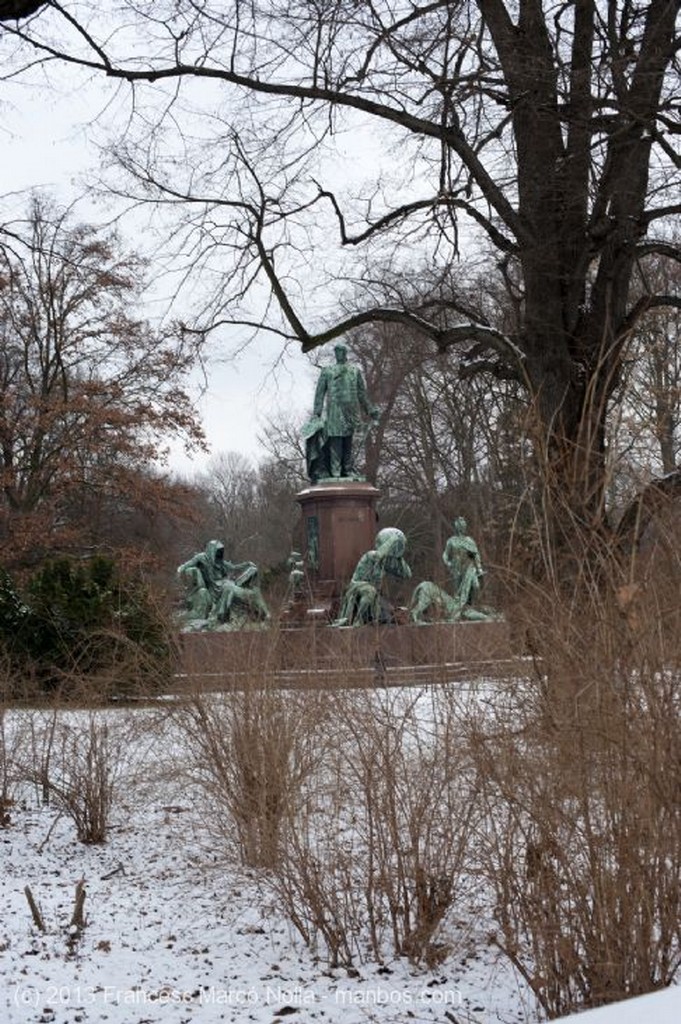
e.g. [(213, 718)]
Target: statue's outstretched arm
[(191, 564)]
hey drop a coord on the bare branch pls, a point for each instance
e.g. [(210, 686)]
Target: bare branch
[(660, 213), (644, 305), (401, 213), (659, 247)]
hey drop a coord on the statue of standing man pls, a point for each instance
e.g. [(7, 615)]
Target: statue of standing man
[(329, 435)]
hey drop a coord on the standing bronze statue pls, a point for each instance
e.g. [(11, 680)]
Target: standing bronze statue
[(341, 409), (462, 558)]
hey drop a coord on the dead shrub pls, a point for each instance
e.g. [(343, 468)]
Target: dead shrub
[(8, 747), (377, 858), (75, 762), (83, 785), (249, 752), (8, 777), (580, 777), (40, 728), (319, 881)]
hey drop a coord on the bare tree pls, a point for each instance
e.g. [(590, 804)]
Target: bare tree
[(231, 483), (89, 394), (250, 507), (549, 131), (650, 395)]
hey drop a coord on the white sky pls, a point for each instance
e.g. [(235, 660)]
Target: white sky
[(48, 141)]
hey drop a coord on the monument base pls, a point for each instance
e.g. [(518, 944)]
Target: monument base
[(339, 526), (322, 656)]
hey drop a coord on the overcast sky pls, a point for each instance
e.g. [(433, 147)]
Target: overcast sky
[(48, 139)]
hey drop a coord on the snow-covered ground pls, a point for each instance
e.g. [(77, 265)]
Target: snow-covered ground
[(178, 931), (657, 1008)]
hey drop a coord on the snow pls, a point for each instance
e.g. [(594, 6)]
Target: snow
[(659, 1007), (176, 930)]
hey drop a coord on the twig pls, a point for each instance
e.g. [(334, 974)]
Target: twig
[(120, 870), (77, 918), (35, 910), (49, 832)]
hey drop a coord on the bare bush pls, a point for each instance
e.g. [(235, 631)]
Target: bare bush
[(75, 765), (378, 858), (7, 771), (249, 752), (36, 766), (125, 667), (580, 778), (12, 743), (319, 880), (83, 786)]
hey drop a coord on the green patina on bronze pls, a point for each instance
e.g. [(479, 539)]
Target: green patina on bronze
[(296, 576), (461, 556), (220, 593), (363, 601), (313, 542), (342, 410)]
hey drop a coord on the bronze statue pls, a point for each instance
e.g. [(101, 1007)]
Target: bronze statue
[(462, 558), (461, 555), (363, 601), (430, 603), (340, 403), (217, 589)]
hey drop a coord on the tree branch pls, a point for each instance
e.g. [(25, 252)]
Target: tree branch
[(648, 216), (450, 135), (659, 248), (644, 305), (405, 211)]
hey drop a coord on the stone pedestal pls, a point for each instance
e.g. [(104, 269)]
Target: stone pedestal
[(339, 525), (322, 656)]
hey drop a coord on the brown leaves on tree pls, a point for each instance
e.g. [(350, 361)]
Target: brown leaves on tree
[(90, 393)]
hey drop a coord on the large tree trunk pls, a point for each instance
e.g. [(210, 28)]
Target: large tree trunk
[(575, 309), (570, 448)]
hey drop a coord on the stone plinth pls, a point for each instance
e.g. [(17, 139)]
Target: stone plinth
[(339, 525), (322, 655)]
